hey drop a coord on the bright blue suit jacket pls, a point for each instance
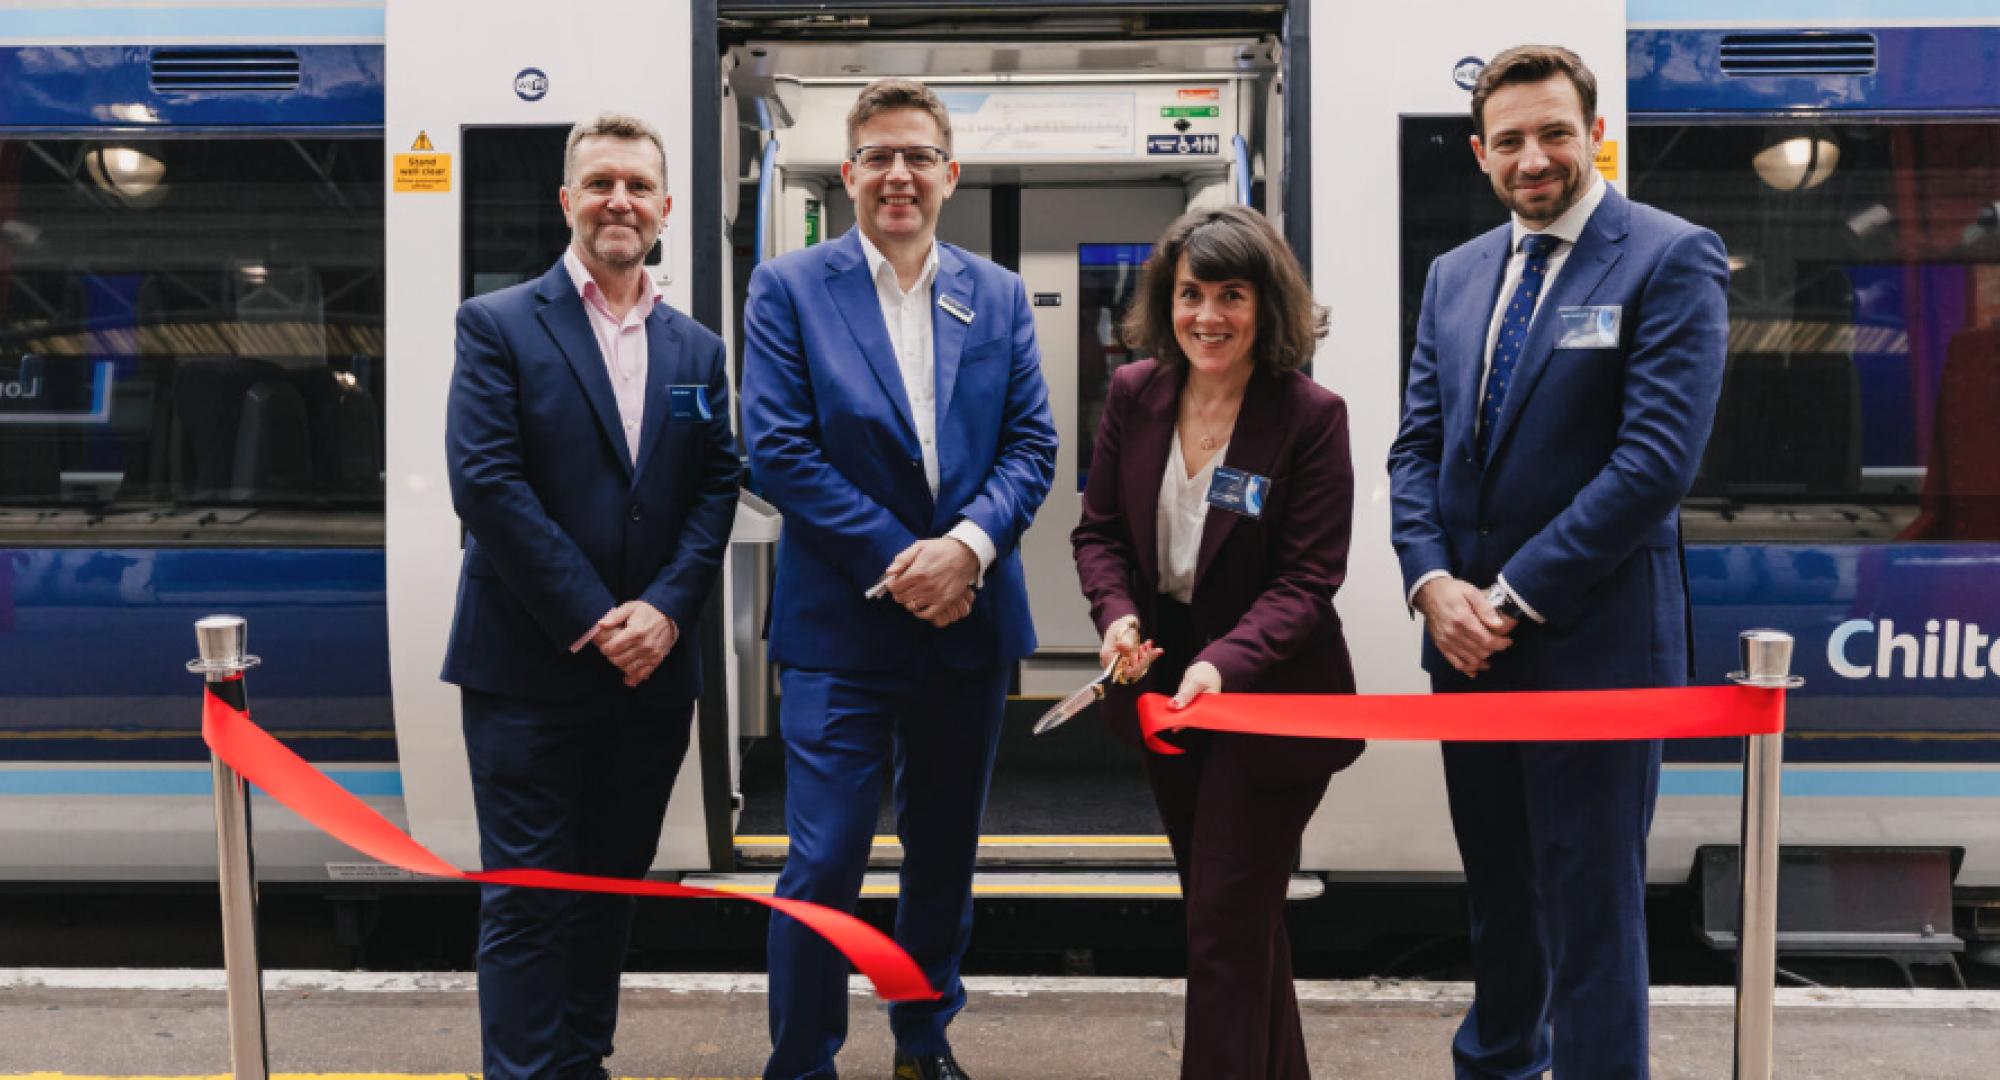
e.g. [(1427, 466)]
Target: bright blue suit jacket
[(1577, 499), (562, 524), (831, 440)]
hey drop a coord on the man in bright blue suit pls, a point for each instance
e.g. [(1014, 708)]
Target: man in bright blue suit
[(894, 411), (592, 465), (1564, 380)]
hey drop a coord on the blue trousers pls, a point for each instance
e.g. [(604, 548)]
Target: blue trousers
[(935, 732), (580, 786), (1553, 836)]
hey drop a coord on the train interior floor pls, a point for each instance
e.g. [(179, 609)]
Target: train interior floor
[(1076, 780)]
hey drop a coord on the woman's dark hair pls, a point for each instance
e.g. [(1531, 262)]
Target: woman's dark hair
[(1230, 244)]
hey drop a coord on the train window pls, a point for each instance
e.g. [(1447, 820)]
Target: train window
[(1446, 201), (191, 345), (1107, 282), (512, 227), (1864, 342)]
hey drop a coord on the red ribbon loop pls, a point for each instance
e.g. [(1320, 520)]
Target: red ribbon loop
[(309, 793), (1682, 712)]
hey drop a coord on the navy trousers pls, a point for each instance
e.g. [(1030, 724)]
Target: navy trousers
[(580, 786), (935, 732), (1553, 836)]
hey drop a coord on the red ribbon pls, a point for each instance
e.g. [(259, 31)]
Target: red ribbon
[(288, 778), (1686, 712)]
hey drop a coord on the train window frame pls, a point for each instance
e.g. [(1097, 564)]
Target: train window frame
[(263, 293), (1844, 247)]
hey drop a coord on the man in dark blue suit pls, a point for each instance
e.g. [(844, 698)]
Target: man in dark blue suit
[(1565, 376), (592, 465), (894, 411)]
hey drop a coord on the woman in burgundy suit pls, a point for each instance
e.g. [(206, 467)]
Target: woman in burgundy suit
[(1214, 533)]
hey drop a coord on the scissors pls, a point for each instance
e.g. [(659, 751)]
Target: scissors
[(1091, 692)]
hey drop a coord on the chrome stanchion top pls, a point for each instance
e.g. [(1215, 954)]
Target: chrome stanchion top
[(1766, 656), (220, 640)]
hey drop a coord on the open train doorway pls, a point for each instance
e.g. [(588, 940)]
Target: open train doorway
[(1077, 151)]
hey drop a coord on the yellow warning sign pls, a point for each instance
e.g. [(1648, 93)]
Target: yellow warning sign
[(423, 141), (423, 172), (1607, 159)]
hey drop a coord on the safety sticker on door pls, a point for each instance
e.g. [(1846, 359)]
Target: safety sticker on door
[(1184, 144)]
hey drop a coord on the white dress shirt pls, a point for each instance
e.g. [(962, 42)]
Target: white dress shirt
[(622, 344), (1567, 228), (907, 315), (1183, 512)]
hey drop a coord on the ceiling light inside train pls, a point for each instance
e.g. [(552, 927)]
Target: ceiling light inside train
[(132, 175), (1797, 164)]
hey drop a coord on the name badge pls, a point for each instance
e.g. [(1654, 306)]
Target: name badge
[(955, 309), (1589, 327), (689, 402), (1239, 492)]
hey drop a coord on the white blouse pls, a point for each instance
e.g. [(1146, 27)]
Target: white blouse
[(1183, 511)]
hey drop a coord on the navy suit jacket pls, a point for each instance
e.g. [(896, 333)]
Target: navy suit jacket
[(833, 444), (1577, 499), (562, 525)]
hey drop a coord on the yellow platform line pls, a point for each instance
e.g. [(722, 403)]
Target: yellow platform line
[(317, 1076), (1028, 890), (108, 735), (1030, 840)]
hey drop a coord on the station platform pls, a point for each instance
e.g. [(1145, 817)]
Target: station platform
[(126, 1024)]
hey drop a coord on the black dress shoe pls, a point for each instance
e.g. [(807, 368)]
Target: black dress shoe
[(940, 1067)]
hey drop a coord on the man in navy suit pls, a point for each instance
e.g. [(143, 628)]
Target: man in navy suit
[(894, 411), (592, 465), (1565, 376)]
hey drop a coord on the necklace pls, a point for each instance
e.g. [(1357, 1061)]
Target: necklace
[(1210, 438)]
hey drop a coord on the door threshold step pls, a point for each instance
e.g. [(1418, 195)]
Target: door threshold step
[(993, 885), (1026, 849)]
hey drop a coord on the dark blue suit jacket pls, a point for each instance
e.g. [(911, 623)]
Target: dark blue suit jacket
[(562, 525), (832, 441), (1577, 499)]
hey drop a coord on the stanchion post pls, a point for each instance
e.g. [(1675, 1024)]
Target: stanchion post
[(220, 639), (1767, 663)]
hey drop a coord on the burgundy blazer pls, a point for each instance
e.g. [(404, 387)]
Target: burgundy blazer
[(1263, 593)]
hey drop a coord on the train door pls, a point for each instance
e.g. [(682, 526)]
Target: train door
[(1081, 250), (1075, 158), (476, 114), (1378, 220)]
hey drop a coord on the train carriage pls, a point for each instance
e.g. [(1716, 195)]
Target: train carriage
[(214, 232)]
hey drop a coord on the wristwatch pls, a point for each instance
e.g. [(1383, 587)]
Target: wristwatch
[(1503, 602)]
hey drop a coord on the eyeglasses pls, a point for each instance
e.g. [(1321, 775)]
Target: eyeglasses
[(919, 158)]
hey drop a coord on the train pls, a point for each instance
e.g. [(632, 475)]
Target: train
[(217, 226)]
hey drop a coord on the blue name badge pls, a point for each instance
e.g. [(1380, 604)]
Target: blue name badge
[(689, 402), (1238, 492)]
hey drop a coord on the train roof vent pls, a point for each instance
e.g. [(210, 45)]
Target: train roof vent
[(1804, 53), (182, 70)]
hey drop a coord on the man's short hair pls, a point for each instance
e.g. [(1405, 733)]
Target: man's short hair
[(882, 95), (1233, 243), (1532, 64), (611, 125)]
